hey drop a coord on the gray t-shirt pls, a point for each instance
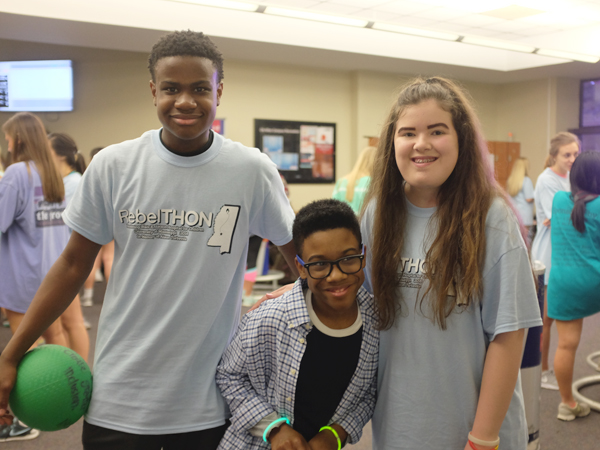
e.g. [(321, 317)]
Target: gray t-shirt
[(429, 379), (173, 302)]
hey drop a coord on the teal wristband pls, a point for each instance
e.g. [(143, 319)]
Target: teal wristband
[(272, 424), (335, 434)]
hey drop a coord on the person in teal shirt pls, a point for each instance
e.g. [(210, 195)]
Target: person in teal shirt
[(574, 284), (354, 186)]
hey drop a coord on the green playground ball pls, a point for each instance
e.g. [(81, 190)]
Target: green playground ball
[(53, 388)]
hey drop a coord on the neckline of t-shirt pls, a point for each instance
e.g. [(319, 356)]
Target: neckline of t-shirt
[(187, 161), (564, 177), (352, 329), (419, 212)]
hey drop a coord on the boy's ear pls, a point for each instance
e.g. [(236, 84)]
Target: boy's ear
[(219, 93), (153, 90), (301, 270)]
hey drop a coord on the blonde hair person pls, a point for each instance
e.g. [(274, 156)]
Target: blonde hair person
[(564, 148), (353, 187), (520, 188), (33, 233), (451, 277)]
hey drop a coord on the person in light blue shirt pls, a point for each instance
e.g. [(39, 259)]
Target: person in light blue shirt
[(574, 285), (520, 188)]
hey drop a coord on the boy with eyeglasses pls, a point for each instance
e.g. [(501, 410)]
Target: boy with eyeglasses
[(301, 371)]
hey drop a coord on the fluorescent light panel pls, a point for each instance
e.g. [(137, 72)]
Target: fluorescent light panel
[(297, 14), (503, 45), (568, 55), (415, 31), (227, 4)]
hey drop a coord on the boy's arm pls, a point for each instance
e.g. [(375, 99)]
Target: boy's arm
[(500, 372), (57, 291)]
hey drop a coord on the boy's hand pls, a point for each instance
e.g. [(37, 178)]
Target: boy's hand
[(286, 438), (325, 440), (8, 375), (275, 294)]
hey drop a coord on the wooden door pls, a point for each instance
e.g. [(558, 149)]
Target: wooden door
[(505, 154)]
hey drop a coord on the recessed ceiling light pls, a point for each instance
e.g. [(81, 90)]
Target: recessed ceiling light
[(227, 4), (503, 45), (568, 55), (415, 31), (298, 14)]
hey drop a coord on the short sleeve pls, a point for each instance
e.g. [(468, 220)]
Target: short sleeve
[(527, 188), (509, 301), (274, 216), (9, 200), (90, 212)]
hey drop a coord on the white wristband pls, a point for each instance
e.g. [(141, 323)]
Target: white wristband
[(493, 443)]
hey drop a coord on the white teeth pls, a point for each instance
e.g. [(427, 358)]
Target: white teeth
[(424, 160)]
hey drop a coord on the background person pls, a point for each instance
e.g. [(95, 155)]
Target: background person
[(71, 165), (353, 187), (564, 148), (574, 285), (520, 188)]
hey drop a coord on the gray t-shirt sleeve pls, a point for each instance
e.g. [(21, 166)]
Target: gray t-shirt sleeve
[(273, 218), (509, 301)]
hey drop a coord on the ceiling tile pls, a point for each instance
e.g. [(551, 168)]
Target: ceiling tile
[(454, 27), (412, 21), (359, 3), (299, 4), (512, 12), (509, 26), (484, 32), (375, 16), (475, 20), (402, 7), (440, 14), (334, 8), (508, 36)]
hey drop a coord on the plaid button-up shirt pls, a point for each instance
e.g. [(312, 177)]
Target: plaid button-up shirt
[(259, 370)]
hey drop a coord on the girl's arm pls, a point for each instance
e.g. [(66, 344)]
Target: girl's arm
[(57, 291), (500, 373)]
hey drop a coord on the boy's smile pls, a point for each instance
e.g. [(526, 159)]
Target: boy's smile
[(334, 297), (186, 94)]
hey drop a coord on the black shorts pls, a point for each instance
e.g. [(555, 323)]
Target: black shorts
[(98, 438)]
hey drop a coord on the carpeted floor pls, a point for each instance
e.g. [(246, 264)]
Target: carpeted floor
[(582, 434)]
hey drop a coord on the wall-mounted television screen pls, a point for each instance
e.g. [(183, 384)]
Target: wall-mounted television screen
[(36, 85), (590, 104)]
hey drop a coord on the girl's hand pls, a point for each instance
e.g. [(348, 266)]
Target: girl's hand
[(275, 294), (471, 446)]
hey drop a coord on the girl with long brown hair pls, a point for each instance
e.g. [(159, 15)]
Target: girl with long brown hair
[(564, 148), (33, 232), (451, 277)]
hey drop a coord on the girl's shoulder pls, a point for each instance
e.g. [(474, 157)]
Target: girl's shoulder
[(502, 218)]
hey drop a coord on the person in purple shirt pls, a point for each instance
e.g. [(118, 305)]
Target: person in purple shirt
[(33, 232)]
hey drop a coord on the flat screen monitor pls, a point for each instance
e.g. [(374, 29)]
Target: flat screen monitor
[(590, 104), (36, 86)]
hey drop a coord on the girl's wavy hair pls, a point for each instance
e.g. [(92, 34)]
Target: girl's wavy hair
[(362, 168), (31, 144), (455, 258)]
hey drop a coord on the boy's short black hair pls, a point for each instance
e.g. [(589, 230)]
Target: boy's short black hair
[(186, 43), (323, 215)]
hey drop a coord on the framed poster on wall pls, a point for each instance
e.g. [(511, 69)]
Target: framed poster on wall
[(304, 152)]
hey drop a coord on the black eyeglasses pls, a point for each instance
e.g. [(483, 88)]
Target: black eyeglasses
[(322, 269)]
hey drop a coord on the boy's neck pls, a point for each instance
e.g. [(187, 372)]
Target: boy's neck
[(199, 151), (336, 320)]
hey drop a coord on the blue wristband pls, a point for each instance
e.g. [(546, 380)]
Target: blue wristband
[(272, 424)]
